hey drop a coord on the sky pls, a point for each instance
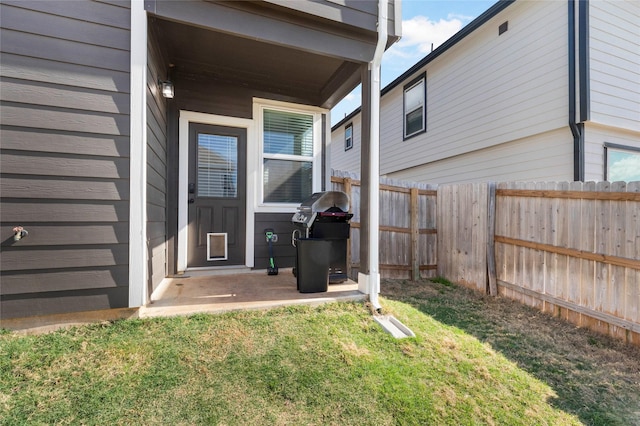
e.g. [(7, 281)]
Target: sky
[(423, 22)]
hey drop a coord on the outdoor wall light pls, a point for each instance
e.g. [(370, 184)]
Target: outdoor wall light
[(167, 88), (19, 233)]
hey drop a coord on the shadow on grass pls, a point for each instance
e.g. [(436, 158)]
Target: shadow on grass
[(595, 377)]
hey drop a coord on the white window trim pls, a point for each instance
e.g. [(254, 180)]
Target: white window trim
[(187, 117), (259, 105)]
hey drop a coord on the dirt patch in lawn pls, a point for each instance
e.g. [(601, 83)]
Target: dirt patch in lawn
[(594, 376)]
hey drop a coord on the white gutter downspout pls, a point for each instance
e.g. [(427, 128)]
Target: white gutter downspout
[(388, 322), (374, 158)]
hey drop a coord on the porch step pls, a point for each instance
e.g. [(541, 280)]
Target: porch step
[(221, 270)]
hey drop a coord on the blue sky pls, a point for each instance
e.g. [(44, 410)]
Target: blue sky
[(423, 22)]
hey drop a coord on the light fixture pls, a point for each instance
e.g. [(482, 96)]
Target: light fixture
[(167, 88)]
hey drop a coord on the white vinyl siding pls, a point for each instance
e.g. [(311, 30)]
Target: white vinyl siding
[(545, 157), (614, 47), (487, 89), (348, 161)]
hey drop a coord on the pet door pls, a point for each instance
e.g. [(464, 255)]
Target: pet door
[(217, 246)]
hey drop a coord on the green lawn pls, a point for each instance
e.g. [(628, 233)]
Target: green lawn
[(322, 365)]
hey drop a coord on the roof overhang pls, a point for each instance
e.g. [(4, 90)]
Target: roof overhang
[(264, 46)]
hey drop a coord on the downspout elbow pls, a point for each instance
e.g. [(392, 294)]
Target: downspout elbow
[(382, 35)]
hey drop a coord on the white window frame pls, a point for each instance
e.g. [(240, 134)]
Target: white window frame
[(348, 140), (259, 106), (421, 79)]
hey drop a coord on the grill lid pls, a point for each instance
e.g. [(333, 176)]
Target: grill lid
[(332, 202), (323, 201)]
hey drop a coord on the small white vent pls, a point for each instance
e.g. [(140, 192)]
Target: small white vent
[(217, 246)]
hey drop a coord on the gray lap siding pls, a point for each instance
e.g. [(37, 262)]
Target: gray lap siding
[(65, 156)]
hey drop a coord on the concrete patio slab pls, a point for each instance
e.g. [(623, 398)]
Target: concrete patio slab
[(210, 291), (229, 292)]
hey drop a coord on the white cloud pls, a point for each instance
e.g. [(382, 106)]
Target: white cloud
[(627, 169), (354, 96), (419, 32)]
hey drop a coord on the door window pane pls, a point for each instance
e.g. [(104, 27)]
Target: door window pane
[(217, 166), (287, 181)]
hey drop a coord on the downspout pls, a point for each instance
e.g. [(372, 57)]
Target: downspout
[(374, 158), (577, 129)]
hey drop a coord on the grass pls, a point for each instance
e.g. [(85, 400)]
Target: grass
[(325, 365)]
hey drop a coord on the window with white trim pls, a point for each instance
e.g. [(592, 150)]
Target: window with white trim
[(290, 165), (414, 107), (348, 137)]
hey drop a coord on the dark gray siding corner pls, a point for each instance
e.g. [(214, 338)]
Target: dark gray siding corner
[(65, 156)]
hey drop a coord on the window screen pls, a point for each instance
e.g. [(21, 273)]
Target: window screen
[(288, 133), (287, 157), (414, 108)]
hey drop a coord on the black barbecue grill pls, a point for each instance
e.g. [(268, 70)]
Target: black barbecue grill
[(325, 216)]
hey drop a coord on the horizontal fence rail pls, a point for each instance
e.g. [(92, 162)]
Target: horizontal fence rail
[(571, 249)]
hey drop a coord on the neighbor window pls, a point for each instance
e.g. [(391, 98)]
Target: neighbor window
[(288, 156), (415, 107), (348, 137), (622, 163)]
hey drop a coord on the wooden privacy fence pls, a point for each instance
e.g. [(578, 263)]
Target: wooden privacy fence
[(570, 249), (407, 238)]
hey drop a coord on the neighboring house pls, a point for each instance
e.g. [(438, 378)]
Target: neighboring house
[(529, 91), (119, 186)]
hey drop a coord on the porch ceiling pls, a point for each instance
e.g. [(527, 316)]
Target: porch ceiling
[(215, 56)]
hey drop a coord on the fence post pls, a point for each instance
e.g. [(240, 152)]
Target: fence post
[(347, 189), (491, 243), (415, 234)]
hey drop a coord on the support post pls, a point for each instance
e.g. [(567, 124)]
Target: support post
[(415, 234), (491, 241)]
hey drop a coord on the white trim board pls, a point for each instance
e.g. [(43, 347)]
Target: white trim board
[(138, 258), (187, 117)]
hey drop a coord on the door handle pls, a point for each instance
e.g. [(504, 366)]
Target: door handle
[(192, 188), (191, 201)]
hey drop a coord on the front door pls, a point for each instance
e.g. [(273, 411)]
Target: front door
[(216, 195)]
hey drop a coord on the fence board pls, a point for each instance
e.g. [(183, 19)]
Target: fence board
[(617, 283), (462, 234), (574, 234), (538, 232), (587, 231), (632, 251)]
